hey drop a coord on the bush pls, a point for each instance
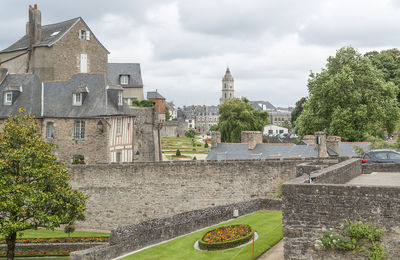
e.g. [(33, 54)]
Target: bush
[(70, 228), (206, 145), (178, 153)]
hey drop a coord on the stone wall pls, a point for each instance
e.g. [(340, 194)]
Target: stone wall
[(25, 248), (124, 194), (94, 147), (174, 128), (129, 238), (310, 208)]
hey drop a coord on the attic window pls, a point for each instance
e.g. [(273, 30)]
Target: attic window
[(8, 98), (84, 35), (55, 33), (124, 79), (77, 99)]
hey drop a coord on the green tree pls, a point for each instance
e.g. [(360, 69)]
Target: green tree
[(349, 98), (237, 115), (34, 186), (167, 115), (190, 133), (297, 110)]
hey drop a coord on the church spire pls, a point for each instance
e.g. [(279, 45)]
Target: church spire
[(227, 86)]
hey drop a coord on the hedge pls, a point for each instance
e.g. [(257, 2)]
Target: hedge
[(225, 245)]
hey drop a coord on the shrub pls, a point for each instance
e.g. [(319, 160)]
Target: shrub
[(206, 145), (70, 228), (357, 236), (178, 153)]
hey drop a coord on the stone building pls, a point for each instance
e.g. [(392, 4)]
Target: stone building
[(201, 118), (60, 74), (228, 87), (55, 51)]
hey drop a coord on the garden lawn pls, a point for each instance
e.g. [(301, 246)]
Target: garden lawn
[(267, 223), (44, 233)]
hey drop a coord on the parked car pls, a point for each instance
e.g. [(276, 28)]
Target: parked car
[(381, 156)]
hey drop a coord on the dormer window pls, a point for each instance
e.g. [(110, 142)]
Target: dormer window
[(84, 35), (8, 98), (120, 98), (77, 99), (124, 79)]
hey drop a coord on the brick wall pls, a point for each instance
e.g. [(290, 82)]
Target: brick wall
[(309, 208), (131, 193)]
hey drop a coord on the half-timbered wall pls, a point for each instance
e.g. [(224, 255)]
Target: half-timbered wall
[(121, 139)]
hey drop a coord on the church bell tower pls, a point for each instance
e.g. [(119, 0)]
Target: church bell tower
[(227, 87)]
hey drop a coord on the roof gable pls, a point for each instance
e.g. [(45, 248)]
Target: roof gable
[(51, 34)]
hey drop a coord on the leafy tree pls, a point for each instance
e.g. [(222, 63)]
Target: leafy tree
[(297, 110), (237, 115), (34, 186), (167, 115), (349, 98), (190, 133)]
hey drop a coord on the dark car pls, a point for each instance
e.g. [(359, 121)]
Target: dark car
[(381, 156)]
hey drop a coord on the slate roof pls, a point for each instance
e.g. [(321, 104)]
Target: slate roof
[(98, 99), (259, 105), (232, 151), (29, 98), (47, 38), (153, 95), (131, 69)]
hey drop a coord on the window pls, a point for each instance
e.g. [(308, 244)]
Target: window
[(49, 130), (120, 103), (119, 124), (84, 66), (270, 132), (124, 79), (381, 155), (77, 99), (8, 98), (394, 156), (281, 131), (84, 35), (118, 157), (79, 129), (78, 159)]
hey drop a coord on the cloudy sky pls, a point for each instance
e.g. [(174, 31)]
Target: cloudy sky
[(184, 46)]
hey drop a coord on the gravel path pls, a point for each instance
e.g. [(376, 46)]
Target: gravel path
[(275, 253)]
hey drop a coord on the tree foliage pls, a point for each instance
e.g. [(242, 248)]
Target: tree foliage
[(167, 115), (237, 115), (297, 110), (34, 186), (349, 98), (190, 133)]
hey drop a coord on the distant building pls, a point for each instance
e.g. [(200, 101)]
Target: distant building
[(228, 87), (274, 130), (278, 117)]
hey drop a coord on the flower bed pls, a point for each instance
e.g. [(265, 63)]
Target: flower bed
[(40, 253), (59, 240), (226, 237)]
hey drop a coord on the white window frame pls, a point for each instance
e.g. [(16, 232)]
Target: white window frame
[(77, 99), (120, 98), (79, 129), (83, 63), (124, 79), (8, 98), (50, 130), (84, 35), (119, 125)]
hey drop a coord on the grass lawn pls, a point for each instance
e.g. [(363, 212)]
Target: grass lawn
[(267, 223), (44, 233), (171, 144)]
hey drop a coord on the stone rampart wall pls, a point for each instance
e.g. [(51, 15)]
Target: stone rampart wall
[(124, 194), (129, 238), (310, 208)]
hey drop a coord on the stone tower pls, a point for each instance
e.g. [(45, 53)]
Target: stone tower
[(227, 87)]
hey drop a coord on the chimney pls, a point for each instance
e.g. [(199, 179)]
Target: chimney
[(252, 138), (215, 138), (332, 142), (3, 73), (320, 140), (34, 26)]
